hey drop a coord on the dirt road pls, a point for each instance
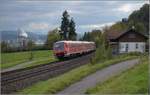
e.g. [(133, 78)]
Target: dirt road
[(100, 76)]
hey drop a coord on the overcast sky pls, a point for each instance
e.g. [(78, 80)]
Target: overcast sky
[(41, 16)]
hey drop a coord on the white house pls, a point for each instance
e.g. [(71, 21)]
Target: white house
[(127, 41)]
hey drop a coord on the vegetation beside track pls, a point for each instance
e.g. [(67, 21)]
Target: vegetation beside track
[(39, 62), (54, 85), (12, 59), (133, 81)]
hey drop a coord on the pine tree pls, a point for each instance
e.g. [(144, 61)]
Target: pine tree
[(72, 34), (65, 25)]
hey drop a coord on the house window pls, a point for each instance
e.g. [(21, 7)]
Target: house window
[(131, 35), (126, 47), (136, 46)]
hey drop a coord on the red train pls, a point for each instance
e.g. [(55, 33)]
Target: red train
[(68, 48)]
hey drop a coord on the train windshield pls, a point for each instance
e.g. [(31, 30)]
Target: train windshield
[(59, 46)]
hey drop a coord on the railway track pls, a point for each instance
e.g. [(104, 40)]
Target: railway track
[(13, 81)]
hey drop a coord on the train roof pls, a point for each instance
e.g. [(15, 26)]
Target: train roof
[(74, 41)]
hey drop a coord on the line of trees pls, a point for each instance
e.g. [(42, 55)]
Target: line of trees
[(9, 47), (94, 35)]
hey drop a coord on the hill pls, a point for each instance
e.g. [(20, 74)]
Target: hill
[(138, 18), (141, 17)]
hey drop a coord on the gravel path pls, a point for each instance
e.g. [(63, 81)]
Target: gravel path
[(22, 65), (100, 76)]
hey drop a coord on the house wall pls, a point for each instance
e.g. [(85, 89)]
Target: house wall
[(114, 48), (125, 47)]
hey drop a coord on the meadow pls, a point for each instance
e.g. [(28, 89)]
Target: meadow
[(12, 59)]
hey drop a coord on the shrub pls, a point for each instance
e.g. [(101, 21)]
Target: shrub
[(135, 53), (103, 51)]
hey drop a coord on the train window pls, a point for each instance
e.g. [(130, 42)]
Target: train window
[(59, 46)]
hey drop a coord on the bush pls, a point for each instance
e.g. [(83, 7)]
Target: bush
[(134, 53), (103, 51)]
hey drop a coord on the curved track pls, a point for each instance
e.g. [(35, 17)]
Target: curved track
[(13, 81)]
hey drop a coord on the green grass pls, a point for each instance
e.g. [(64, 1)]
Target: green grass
[(56, 84), (133, 81), (48, 60), (12, 59)]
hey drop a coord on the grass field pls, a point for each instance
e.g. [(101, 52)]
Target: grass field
[(133, 81), (45, 61), (56, 84), (12, 59)]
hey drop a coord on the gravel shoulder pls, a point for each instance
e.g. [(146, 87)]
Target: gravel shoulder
[(100, 76)]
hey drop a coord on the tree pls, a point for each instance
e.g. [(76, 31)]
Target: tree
[(72, 33), (30, 46), (4, 46), (52, 37), (86, 36), (65, 25), (119, 26), (139, 27), (103, 51)]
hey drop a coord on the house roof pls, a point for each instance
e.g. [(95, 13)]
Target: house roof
[(113, 35), (131, 30)]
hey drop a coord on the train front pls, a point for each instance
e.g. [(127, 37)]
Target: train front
[(59, 49)]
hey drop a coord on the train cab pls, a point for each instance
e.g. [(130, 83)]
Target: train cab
[(59, 49)]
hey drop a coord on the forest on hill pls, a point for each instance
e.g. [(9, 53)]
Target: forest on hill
[(138, 18)]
